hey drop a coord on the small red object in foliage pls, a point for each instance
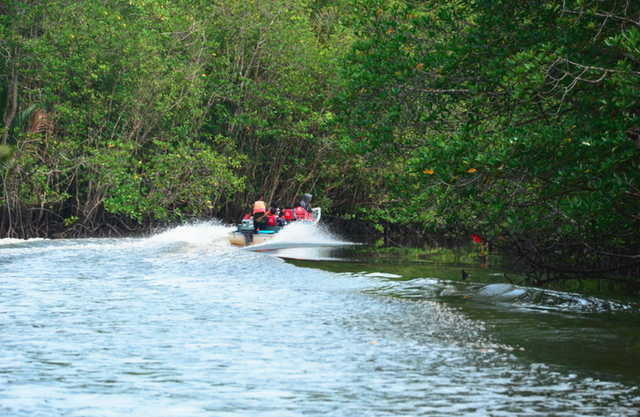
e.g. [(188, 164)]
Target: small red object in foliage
[(476, 238)]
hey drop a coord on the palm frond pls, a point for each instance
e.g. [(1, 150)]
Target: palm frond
[(5, 155), (23, 116)]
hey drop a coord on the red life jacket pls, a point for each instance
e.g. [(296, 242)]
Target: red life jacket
[(271, 220), (287, 215), (303, 214)]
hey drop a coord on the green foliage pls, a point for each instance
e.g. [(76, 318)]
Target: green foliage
[(159, 110), (5, 154), (514, 117)]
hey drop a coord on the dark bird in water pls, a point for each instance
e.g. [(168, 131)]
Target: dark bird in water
[(464, 275)]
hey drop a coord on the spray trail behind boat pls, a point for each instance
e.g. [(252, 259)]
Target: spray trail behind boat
[(301, 235)]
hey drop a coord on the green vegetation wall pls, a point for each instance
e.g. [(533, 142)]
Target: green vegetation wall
[(515, 119), (127, 113)]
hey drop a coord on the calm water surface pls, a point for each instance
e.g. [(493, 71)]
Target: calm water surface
[(183, 324)]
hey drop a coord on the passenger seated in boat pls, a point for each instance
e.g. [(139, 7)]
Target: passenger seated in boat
[(281, 221), (306, 202), (289, 215), (301, 213), (259, 212), (272, 218), (276, 206)]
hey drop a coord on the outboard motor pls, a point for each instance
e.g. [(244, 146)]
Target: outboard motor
[(247, 230)]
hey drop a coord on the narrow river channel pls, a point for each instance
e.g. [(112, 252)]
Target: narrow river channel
[(184, 324)]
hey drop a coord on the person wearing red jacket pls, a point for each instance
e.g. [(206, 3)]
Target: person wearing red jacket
[(301, 213), (272, 217), (289, 215)]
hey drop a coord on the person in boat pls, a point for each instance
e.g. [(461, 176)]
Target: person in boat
[(306, 202), (276, 205), (259, 212), (272, 218), (299, 211), (281, 221), (289, 214)]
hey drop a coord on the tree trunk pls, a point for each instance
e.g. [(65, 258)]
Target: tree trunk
[(12, 105)]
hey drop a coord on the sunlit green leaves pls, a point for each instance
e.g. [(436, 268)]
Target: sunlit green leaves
[(514, 114)]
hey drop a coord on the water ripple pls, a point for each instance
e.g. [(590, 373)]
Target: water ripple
[(184, 324)]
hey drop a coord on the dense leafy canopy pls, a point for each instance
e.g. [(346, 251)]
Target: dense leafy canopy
[(515, 117), (142, 111)]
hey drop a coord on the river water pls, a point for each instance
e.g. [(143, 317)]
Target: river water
[(183, 324)]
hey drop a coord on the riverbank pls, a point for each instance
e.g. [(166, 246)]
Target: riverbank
[(463, 261)]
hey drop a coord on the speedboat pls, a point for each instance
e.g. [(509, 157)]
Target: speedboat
[(246, 235)]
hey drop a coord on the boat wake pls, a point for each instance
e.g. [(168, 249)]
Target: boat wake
[(301, 235), (201, 233), (195, 238), (537, 298)]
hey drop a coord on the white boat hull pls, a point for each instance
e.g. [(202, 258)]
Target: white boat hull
[(237, 238)]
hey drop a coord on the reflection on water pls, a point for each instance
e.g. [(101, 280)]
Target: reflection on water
[(314, 253), (185, 324)]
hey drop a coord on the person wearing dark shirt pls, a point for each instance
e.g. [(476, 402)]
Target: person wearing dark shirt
[(306, 202), (259, 212)]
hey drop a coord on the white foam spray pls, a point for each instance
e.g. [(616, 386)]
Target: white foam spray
[(210, 235), (12, 241), (201, 233), (302, 234)]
